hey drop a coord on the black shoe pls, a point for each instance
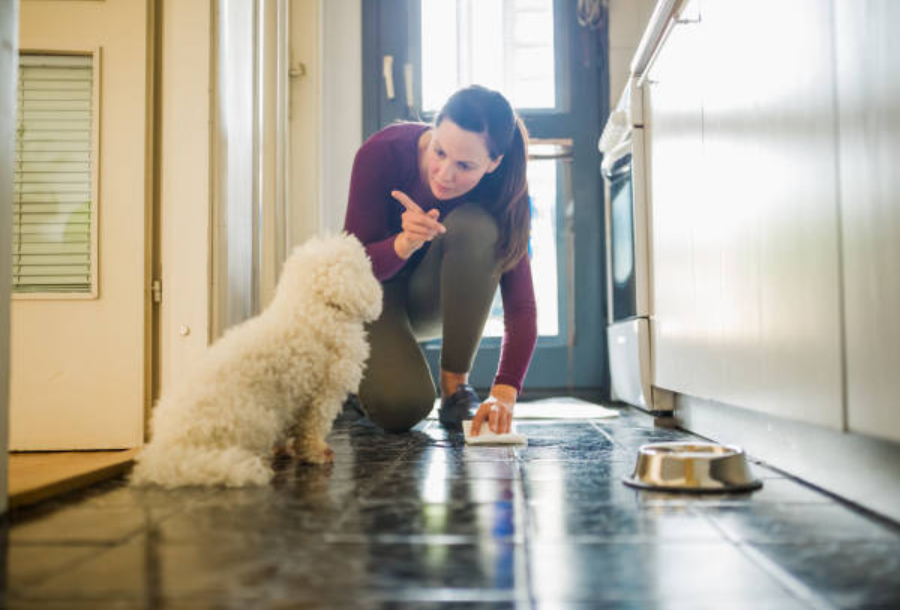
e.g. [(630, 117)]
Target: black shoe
[(459, 406), (352, 409)]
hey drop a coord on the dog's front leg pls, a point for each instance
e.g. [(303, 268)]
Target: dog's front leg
[(314, 451), (307, 442)]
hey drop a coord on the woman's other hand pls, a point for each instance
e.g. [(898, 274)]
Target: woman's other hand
[(418, 226), (497, 410)]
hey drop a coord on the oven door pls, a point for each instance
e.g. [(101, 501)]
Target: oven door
[(617, 169)]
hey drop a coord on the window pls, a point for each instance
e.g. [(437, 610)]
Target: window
[(553, 69), (506, 45), (55, 177), (547, 232)]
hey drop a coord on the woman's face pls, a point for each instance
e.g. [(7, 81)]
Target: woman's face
[(456, 160)]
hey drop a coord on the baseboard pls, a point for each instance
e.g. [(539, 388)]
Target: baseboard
[(860, 469)]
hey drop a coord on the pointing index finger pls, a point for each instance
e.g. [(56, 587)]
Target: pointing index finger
[(404, 199)]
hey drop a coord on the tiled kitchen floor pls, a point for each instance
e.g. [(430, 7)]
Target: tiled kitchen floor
[(420, 521)]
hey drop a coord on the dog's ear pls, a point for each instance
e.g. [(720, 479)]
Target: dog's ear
[(345, 280), (336, 271)]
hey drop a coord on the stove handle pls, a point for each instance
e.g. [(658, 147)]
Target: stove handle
[(608, 167)]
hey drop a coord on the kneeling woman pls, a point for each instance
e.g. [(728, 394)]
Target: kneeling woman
[(444, 214)]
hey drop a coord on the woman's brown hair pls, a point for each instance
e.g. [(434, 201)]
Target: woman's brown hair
[(503, 192)]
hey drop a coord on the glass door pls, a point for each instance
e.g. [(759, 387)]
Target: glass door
[(553, 70)]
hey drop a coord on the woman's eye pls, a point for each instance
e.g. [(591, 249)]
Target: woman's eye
[(440, 153), (463, 166)]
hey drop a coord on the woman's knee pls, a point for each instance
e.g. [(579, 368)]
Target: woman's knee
[(398, 409), (470, 225)]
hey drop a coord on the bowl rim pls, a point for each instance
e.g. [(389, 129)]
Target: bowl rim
[(672, 450), (683, 452)]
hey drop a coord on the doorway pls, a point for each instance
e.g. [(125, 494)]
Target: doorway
[(554, 71)]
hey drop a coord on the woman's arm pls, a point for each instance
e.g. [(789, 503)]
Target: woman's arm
[(519, 340), (519, 325)]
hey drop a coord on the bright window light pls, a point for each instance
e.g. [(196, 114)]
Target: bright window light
[(505, 45), (542, 181)]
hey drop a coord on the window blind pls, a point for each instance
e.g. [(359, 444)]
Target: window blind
[(54, 201)]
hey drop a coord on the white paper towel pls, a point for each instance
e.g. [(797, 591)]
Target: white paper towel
[(487, 437)]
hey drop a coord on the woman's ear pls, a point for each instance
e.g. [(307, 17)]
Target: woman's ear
[(494, 164)]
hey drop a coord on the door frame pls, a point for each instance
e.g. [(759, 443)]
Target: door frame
[(579, 361), (9, 45)]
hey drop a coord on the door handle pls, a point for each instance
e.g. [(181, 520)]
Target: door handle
[(387, 70), (408, 82)]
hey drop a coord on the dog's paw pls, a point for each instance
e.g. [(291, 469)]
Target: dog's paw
[(321, 455), (282, 451), (291, 447)]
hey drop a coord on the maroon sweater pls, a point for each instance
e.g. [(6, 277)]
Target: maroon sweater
[(389, 160)]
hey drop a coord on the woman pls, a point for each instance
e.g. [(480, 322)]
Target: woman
[(443, 212)]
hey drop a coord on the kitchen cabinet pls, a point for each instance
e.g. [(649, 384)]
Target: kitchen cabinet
[(747, 303), (673, 114), (868, 85)]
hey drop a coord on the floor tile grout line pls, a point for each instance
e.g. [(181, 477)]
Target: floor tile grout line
[(527, 526), (72, 565), (793, 585), (605, 434), (42, 579), (784, 578)]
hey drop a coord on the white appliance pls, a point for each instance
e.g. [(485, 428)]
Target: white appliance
[(628, 258)]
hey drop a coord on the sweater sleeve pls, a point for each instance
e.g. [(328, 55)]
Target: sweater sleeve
[(520, 325), (368, 207)]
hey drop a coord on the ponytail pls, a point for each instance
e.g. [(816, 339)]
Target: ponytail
[(510, 204)]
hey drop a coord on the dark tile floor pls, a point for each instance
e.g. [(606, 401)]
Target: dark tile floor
[(420, 521)]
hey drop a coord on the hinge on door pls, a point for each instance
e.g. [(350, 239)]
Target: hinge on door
[(156, 289)]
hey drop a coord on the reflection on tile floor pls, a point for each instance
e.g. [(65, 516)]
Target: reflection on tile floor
[(420, 521)]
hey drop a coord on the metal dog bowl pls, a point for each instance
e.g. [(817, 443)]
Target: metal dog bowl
[(692, 467)]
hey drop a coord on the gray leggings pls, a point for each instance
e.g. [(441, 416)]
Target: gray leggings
[(448, 294)]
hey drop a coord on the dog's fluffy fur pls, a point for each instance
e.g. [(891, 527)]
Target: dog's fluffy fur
[(274, 381)]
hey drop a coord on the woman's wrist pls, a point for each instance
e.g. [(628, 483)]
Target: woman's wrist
[(505, 394), (404, 247)]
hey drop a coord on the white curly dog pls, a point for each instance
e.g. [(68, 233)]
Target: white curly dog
[(275, 381)]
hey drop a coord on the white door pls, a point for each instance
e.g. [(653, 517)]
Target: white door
[(79, 359)]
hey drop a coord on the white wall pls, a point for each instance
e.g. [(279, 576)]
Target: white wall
[(341, 105), (326, 113), (627, 20), (185, 185), (304, 121)]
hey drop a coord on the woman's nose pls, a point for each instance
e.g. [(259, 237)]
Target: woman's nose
[(445, 172)]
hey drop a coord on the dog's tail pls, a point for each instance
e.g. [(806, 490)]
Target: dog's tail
[(176, 466)]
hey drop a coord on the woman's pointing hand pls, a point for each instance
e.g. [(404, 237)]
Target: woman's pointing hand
[(418, 226)]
